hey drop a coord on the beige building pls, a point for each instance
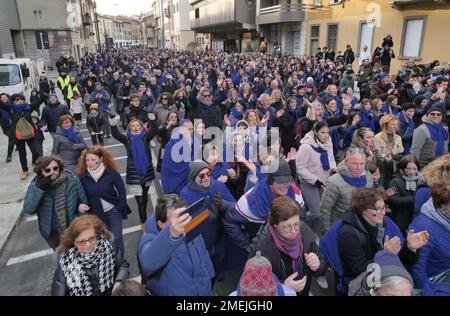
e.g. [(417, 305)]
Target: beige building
[(418, 27), (147, 30)]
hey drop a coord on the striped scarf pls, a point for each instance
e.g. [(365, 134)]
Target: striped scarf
[(60, 202)]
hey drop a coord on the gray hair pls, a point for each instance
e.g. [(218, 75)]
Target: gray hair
[(391, 281), (264, 96)]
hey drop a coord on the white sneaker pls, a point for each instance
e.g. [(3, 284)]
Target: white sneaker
[(322, 282)]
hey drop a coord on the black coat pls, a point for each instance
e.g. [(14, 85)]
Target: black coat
[(286, 123), (281, 263), (96, 124), (209, 114), (132, 175), (59, 284), (357, 254), (401, 204), (349, 57), (135, 113)]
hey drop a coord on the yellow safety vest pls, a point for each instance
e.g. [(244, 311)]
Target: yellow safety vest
[(70, 91), (63, 82)]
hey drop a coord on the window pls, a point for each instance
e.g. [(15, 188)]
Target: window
[(335, 2), (412, 37), (315, 30), (332, 36), (9, 75), (365, 36), (197, 13)]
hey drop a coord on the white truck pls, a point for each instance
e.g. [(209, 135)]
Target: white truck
[(20, 75)]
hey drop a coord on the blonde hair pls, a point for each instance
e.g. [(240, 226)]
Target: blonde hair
[(437, 172)]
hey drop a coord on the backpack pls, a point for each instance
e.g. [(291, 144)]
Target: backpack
[(24, 130), (329, 249), (438, 285)]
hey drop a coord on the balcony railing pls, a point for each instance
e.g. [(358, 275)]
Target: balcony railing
[(282, 13), (280, 8)]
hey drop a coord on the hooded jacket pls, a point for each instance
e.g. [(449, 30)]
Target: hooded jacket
[(336, 198), (51, 114), (178, 269), (435, 255)]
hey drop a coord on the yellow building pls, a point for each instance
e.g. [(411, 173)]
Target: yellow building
[(420, 28)]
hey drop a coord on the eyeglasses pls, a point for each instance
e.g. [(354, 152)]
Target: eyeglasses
[(435, 114), (48, 170), (205, 175), (19, 99), (83, 243), (207, 96), (384, 209), (164, 98)]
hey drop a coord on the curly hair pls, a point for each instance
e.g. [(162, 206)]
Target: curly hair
[(169, 96), (79, 225), (43, 162), (437, 172), (365, 198), (440, 195), (100, 152), (246, 115)]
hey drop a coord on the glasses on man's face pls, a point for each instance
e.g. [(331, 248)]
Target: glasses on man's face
[(206, 95), (84, 243), (48, 170), (435, 114), (205, 175)]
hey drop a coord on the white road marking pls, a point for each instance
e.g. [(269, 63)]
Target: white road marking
[(121, 158), (31, 218), (115, 145)]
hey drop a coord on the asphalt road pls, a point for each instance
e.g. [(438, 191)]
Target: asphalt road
[(27, 264)]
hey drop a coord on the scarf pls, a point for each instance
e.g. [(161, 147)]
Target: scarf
[(236, 114), (139, 153), (292, 248), (71, 134), (409, 124), (74, 264), (359, 182), (21, 107), (439, 135), (60, 202), (411, 182), (323, 157), (97, 173)]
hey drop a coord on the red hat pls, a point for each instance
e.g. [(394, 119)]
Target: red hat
[(257, 278)]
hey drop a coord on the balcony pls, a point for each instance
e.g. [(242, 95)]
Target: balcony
[(399, 4), (282, 13)]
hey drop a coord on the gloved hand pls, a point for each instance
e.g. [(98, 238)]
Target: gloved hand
[(43, 182)]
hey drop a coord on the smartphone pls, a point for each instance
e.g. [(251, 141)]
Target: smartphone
[(199, 212)]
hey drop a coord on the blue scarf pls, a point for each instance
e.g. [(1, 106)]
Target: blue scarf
[(439, 135), (323, 157), (236, 114), (261, 197), (220, 170), (21, 107), (70, 134), (359, 182), (139, 153), (409, 125)]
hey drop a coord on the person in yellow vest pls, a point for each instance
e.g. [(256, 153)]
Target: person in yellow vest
[(72, 87), (63, 84)]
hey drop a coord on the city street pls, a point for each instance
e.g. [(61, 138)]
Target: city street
[(27, 263)]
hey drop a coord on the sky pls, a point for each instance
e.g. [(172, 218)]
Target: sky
[(123, 7)]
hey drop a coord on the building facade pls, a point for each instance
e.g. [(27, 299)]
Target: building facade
[(55, 28), (417, 26), (230, 23), (147, 30), (11, 40)]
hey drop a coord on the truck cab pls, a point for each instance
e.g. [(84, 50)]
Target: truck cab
[(19, 75)]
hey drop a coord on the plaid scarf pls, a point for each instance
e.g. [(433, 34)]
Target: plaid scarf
[(60, 202), (74, 263)]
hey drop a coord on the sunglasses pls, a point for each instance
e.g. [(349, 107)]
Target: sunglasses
[(435, 114), (164, 98), (48, 170), (205, 175), (19, 99), (207, 96)]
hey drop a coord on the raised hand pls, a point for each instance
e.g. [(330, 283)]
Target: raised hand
[(416, 241)]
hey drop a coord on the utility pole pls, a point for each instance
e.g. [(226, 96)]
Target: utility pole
[(161, 4), (98, 30), (43, 50)]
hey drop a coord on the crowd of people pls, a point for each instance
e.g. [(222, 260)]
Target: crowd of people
[(362, 178)]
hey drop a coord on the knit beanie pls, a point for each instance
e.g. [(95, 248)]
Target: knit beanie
[(195, 167), (436, 108), (390, 265), (257, 278), (94, 106), (383, 75)]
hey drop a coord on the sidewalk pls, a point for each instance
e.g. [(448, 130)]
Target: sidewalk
[(12, 189)]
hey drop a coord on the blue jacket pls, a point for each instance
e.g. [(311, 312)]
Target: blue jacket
[(434, 256), (51, 114), (422, 195), (187, 268), (174, 175), (213, 233), (110, 187)]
